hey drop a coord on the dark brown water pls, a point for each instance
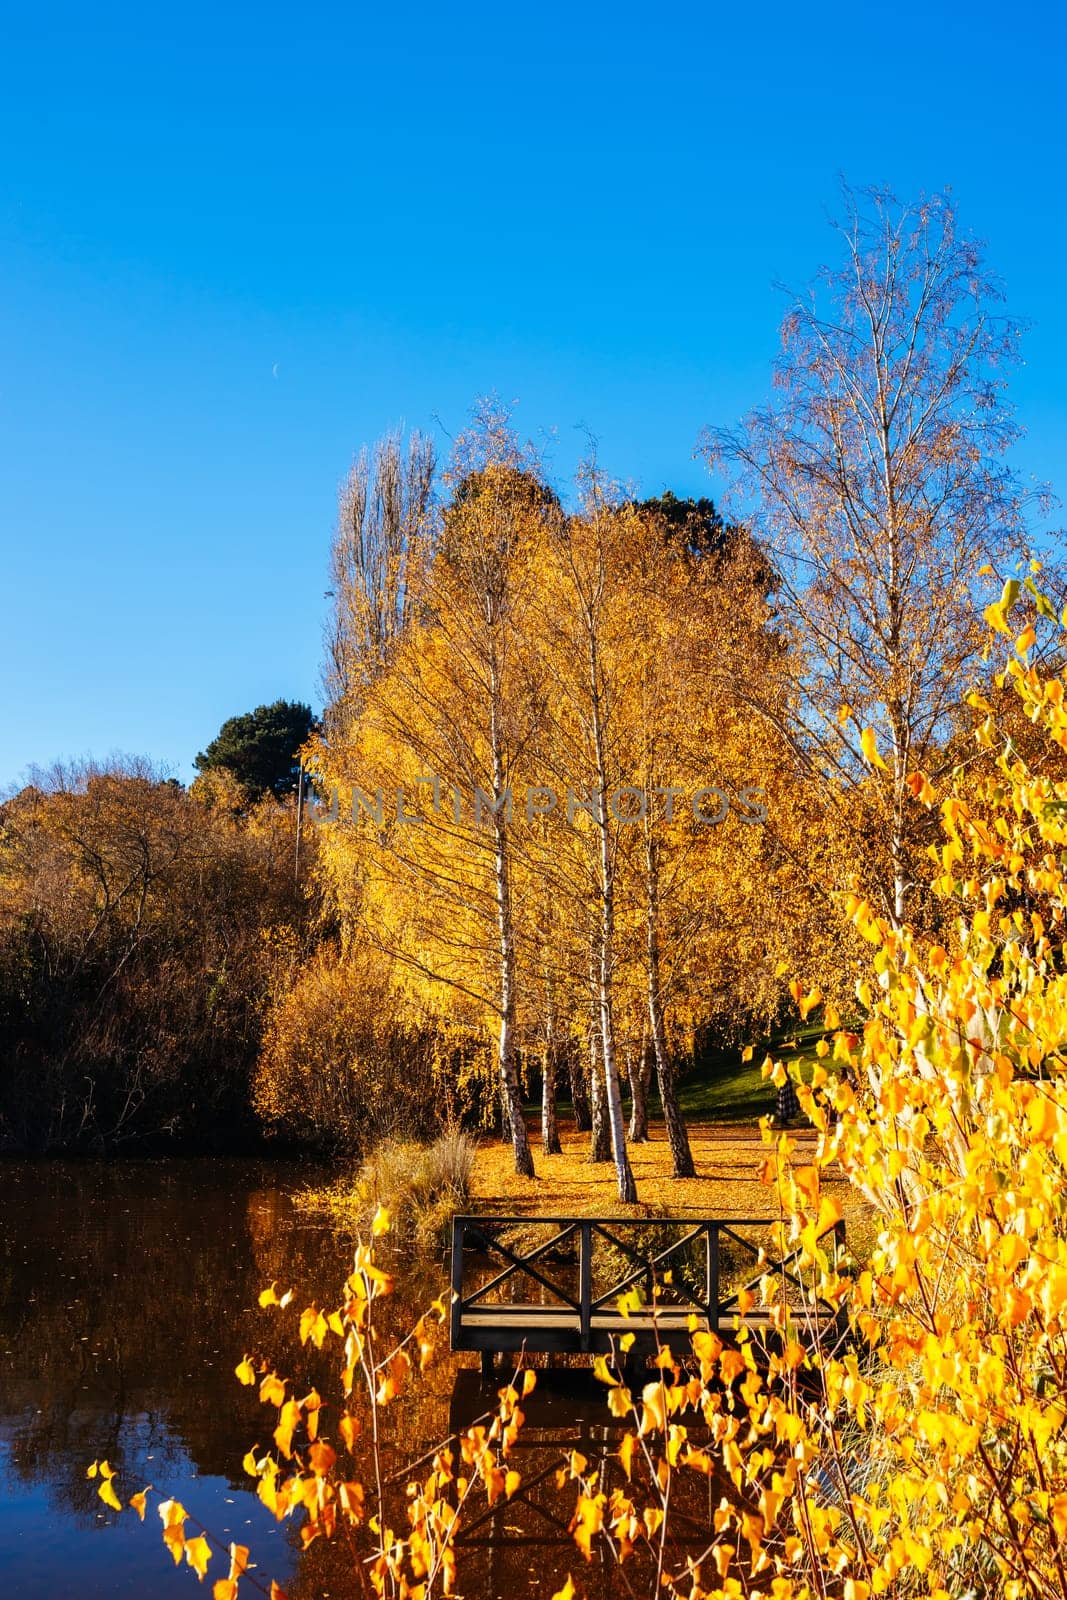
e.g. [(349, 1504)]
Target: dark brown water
[(128, 1293)]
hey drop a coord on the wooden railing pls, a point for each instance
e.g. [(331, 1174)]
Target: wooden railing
[(572, 1311)]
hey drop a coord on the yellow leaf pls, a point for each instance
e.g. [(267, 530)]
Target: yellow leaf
[(198, 1554), (620, 1401), (108, 1495), (245, 1372), (174, 1539), (137, 1501), (869, 746), (567, 1592), (1059, 1516), (224, 1589), (381, 1222), (321, 1457), (808, 1002), (91, 1471), (272, 1390), (313, 1326), (654, 1408), (287, 1422)]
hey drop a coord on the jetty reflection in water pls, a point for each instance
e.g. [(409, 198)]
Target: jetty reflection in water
[(524, 1546)]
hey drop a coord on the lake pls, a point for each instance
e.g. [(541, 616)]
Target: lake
[(129, 1294)]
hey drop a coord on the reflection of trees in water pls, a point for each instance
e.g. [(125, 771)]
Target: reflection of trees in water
[(129, 1291)]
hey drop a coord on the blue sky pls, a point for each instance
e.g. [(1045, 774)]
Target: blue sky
[(237, 242)]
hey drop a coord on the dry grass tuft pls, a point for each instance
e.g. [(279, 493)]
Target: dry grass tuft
[(421, 1185)]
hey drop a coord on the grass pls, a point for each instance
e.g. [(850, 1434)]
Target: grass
[(729, 1161), (722, 1100), (723, 1088), (420, 1185)]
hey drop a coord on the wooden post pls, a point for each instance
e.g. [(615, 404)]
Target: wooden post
[(713, 1276), (585, 1281), (457, 1280)]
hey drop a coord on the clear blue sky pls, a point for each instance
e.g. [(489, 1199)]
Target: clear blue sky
[(236, 242)]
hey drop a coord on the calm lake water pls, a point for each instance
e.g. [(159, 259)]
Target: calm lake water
[(128, 1293)]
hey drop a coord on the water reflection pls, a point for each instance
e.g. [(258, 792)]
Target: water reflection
[(524, 1546), (125, 1291), (128, 1291)]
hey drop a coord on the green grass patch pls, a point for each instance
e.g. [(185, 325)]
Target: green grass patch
[(720, 1087)]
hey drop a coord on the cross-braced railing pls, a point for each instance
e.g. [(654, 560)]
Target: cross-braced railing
[(574, 1279)]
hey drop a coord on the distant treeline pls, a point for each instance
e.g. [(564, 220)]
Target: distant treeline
[(141, 929)]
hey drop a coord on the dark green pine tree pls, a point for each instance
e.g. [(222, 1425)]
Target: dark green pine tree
[(260, 747)]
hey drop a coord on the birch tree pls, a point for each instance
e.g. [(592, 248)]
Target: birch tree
[(878, 485), (450, 717), (386, 526), (584, 622)]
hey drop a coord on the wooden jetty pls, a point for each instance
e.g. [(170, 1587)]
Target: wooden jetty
[(561, 1293)]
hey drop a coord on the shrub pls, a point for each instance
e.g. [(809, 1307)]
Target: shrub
[(338, 1068)]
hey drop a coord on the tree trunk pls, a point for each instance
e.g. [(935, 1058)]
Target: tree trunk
[(506, 1053), (624, 1176), (640, 1076), (677, 1137), (509, 1081), (600, 1133), (549, 1121), (583, 1114), (623, 1171)]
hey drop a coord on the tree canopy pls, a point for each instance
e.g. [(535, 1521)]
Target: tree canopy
[(260, 748)]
